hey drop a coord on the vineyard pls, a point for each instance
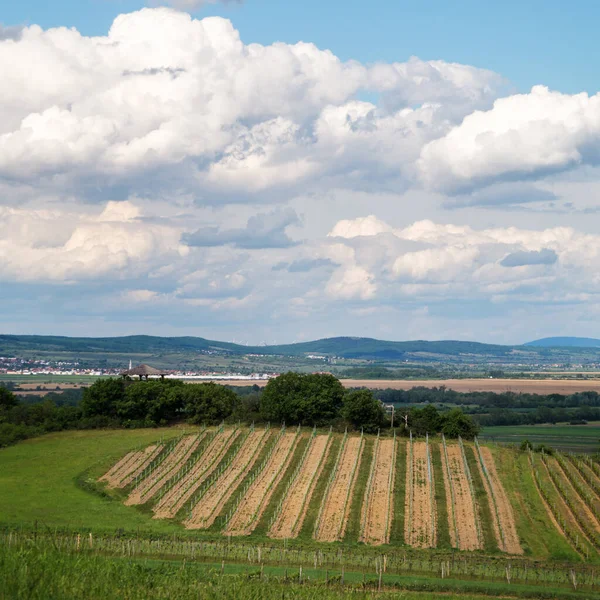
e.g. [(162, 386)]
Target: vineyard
[(288, 484)]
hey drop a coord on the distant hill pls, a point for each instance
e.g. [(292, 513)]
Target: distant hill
[(565, 342), (346, 347), (343, 347)]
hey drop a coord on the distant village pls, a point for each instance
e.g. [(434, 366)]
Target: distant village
[(22, 366)]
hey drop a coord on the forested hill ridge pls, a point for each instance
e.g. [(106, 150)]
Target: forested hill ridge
[(344, 347), (566, 342)]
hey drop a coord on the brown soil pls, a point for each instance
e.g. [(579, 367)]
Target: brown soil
[(532, 386), (293, 511), (121, 465), (147, 488), (134, 467), (379, 506), (257, 497), (508, 541), (180, 493), (211, 504), (420, 527), (464, 510), (334, 516)]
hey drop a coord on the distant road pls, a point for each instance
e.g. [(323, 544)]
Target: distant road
[(532, 386)]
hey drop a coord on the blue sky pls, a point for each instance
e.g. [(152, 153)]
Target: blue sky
[(167, 177), (528, 41)]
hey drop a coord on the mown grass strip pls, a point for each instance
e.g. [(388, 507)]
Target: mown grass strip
[(357, 497), (443, 530), (483, 506)]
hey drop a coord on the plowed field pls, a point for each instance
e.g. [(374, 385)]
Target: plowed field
[(500, 508), (132, 467), (420, 528), (334, 513), (293, 511), (378, 510), (462, 510), (149, 486), (183, 490), (211, 504), (258, 495)]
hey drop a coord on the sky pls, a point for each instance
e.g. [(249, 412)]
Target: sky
[(270, 172)]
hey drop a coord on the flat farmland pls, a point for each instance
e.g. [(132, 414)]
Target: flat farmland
[(530, 386), (572, 438)]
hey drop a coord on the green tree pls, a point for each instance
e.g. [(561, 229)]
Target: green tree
[(362, 409), (207, 403), (150, 402), (455, 423), (424, 420), (7, 398), (101, 398), (298, 398)]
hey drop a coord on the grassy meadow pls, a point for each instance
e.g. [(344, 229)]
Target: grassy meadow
[(50, 500), (568, 438)]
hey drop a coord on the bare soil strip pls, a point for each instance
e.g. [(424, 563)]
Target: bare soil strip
[(334, 516), (295, 505), (210, 505), (502, 513), (379, 512), (180, 493), (255, 501), (135, 467), (121, 465), (147, 488), (530, 386), (464, 509), (420, 532)]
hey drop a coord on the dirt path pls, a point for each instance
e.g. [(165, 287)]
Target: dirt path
[(334, 515), (461, 509), (211, 504), (259, 493), (134, 467), (148, 487), (500, 507), (293, 511), (420, 527), (180, 493), (379, 505)]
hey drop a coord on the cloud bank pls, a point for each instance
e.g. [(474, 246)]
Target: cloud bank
[(171, 169)]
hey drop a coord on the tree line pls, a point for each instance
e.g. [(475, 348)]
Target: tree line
[(306, 399)]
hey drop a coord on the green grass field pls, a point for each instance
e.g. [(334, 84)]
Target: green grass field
[(43, 480), (48, 490), (569, 438)]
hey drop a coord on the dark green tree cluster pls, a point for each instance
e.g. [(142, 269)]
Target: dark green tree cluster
[(151, 403), (452, 424)]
